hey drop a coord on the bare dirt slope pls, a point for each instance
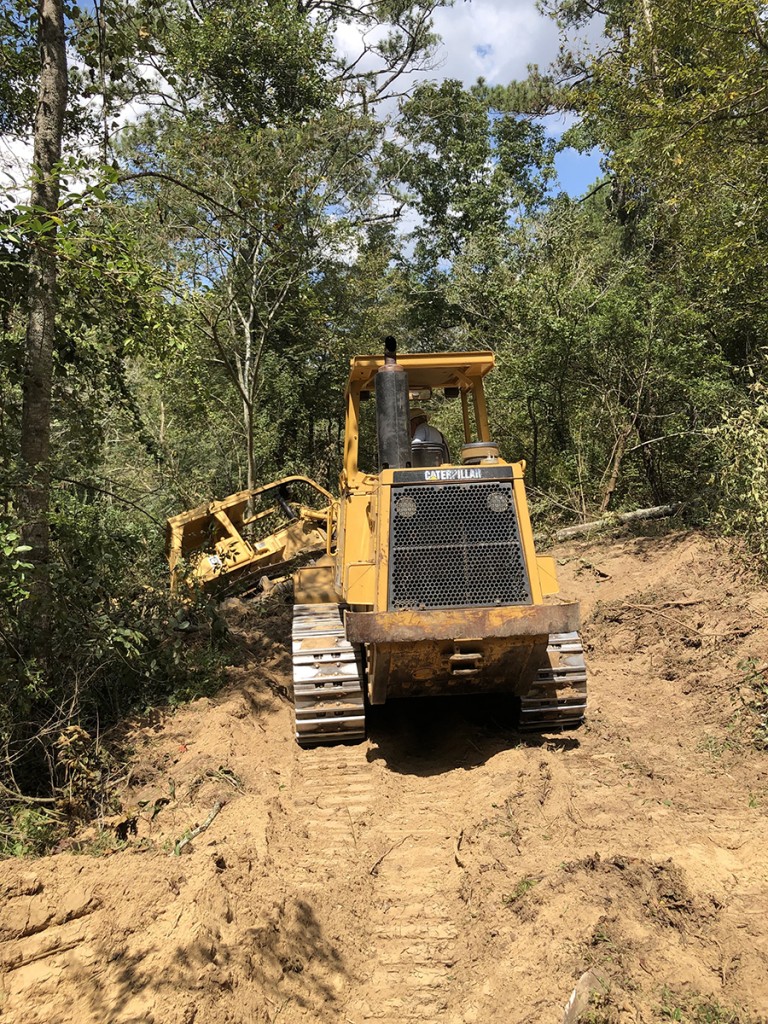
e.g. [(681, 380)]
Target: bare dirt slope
[(446, 870)]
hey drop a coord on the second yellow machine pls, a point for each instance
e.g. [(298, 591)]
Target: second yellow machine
[(429, 582)]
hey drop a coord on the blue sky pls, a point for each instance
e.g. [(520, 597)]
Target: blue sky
[(577, 171), (498, 40)]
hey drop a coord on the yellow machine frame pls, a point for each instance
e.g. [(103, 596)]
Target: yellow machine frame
[(407, 648), (360, 578)]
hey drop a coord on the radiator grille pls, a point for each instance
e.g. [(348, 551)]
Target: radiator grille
[(455, 546)]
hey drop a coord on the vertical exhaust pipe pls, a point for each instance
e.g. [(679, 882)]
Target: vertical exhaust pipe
[(392, 410)]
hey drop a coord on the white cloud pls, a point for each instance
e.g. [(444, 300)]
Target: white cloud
[(495, 39)]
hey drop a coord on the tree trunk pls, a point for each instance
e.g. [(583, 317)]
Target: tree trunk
[(38, 368), (98, 8), (653, 48), (535, 442), (657, 512), (249, 447), (653, 470), (618, 455)]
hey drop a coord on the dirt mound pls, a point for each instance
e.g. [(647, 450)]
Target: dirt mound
[(448, 869)]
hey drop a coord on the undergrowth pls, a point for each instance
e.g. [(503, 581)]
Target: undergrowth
[(118, 643), (523, 887), (754, 680), (742, 477), (691, 1008)]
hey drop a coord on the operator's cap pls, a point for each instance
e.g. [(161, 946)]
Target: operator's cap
[(417, 413)]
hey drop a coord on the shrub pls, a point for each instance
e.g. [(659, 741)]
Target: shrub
[(743, 474), (119, 642)]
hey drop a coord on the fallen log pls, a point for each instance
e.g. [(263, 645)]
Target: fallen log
[(657, 512)]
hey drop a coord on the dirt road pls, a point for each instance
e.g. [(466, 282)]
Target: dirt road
[(447, 869)]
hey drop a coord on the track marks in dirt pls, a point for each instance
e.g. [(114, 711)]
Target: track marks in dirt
[(316, 851), (414, 932), (43, 932), (333, 790), (373, 853), (333, 886)]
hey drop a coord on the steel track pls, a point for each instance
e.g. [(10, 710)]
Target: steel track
[(328, 683), (327, 677), (558, 697)]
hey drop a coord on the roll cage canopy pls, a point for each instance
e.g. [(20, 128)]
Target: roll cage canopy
[(425, 370), (463, 371)]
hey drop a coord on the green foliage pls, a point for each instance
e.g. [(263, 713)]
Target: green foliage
[(120, 642), (13, 572), (742, 473), (270, 73), (465, 167), (16, 689), (672, 97), (139, 645), (18, 66), (690, 1008), (619, 320), (28, 831)]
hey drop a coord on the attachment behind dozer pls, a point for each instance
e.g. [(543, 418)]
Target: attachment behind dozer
[(216, 540)]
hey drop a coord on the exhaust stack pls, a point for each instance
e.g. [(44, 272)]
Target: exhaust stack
[(392, 411)]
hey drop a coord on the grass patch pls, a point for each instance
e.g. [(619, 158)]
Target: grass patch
[(29, 832), (694, 1009), (755, 679), (600, 1011), (523, 886)]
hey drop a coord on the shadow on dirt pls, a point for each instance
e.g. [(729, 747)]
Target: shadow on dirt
[(432, 735), (261, 656), (286, 960)]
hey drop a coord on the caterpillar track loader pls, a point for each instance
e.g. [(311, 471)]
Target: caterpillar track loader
[(426, 579)]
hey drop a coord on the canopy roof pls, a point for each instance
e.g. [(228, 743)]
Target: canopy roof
[(425, 369)]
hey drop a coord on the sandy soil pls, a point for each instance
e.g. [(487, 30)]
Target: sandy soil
[(447, 869)]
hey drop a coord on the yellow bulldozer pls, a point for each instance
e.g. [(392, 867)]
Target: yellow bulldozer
[(423, 578)]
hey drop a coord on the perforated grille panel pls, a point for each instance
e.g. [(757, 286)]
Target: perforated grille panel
[(455, 546)]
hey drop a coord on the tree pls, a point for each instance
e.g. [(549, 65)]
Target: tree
[(463, 169), (280, 181), (42, 298), (677, 100), (20, 64)]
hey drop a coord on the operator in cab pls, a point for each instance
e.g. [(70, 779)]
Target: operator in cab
[(424, 434)]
